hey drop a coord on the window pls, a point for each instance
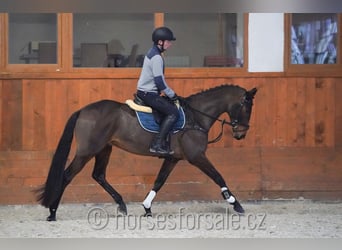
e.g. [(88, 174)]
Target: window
[(111, 40), (32, 38), (206, 40), (313, 44), (93, 42), (314, 38)]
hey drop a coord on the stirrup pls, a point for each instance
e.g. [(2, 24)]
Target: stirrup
[(161, 151)]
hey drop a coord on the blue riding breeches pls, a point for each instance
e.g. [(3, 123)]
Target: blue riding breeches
[(158, 103)]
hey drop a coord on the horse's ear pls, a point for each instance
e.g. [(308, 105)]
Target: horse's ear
[(251, 93)]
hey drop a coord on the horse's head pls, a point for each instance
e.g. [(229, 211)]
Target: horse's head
[(240, 113)]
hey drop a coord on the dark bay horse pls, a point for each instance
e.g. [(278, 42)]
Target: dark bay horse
[(103, 124)]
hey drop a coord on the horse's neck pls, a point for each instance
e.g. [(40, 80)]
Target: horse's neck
[(209, 110)]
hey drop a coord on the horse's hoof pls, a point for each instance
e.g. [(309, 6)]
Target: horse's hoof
[(123, 208), (148, 212), (51, 218), (238, 208)]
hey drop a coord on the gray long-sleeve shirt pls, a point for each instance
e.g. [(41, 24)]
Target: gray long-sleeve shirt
[(152, 74)]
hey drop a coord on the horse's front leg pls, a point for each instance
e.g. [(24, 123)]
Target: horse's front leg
[(164, 172), (202, 162)]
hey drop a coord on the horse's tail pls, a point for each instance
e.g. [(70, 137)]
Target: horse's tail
[(52, 189)]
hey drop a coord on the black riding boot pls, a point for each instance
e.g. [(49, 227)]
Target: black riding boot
[(159, 144)]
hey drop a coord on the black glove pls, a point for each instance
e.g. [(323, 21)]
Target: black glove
[(174, 98), (181, 101)]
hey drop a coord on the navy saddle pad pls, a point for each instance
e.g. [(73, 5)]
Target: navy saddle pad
[(148, 122)]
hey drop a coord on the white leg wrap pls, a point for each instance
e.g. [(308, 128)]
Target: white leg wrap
[(148, 200), (231, 198)]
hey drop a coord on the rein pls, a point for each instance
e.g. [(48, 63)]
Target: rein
[(220, 134), (234, 124)]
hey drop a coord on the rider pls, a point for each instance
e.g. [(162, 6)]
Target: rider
[(151, 85)]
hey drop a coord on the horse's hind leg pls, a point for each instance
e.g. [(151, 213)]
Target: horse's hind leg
[(73, 169), (164, 172), (99, 174)]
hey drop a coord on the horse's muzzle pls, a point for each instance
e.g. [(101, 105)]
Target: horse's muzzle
[(240, 131), (239, 136)]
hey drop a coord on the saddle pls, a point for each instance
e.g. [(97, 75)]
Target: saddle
[(150, 119), (138, 105)]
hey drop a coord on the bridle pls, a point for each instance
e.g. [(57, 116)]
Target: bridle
[(234, 123)]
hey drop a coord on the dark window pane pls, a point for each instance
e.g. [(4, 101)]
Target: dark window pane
[(111, 40), (32, 38), (206, 39)]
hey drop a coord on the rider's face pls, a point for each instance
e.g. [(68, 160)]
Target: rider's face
[(167, 44)]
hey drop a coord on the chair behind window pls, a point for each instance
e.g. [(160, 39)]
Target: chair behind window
[(94, 55), (47, 52), (133, 56)]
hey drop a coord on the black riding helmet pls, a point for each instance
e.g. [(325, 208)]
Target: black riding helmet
[(162, 33)]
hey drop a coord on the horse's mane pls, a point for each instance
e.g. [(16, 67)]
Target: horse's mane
[(216, 88)]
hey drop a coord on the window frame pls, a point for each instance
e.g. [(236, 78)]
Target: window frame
[(310, 69), (65, 58), (9, 67)]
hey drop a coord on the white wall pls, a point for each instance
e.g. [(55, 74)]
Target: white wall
[(266, 42)]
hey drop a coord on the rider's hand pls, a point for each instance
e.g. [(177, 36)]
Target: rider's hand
[(174, 98), (178, 99)]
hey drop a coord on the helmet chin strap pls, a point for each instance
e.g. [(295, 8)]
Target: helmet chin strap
[(161, 46)]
